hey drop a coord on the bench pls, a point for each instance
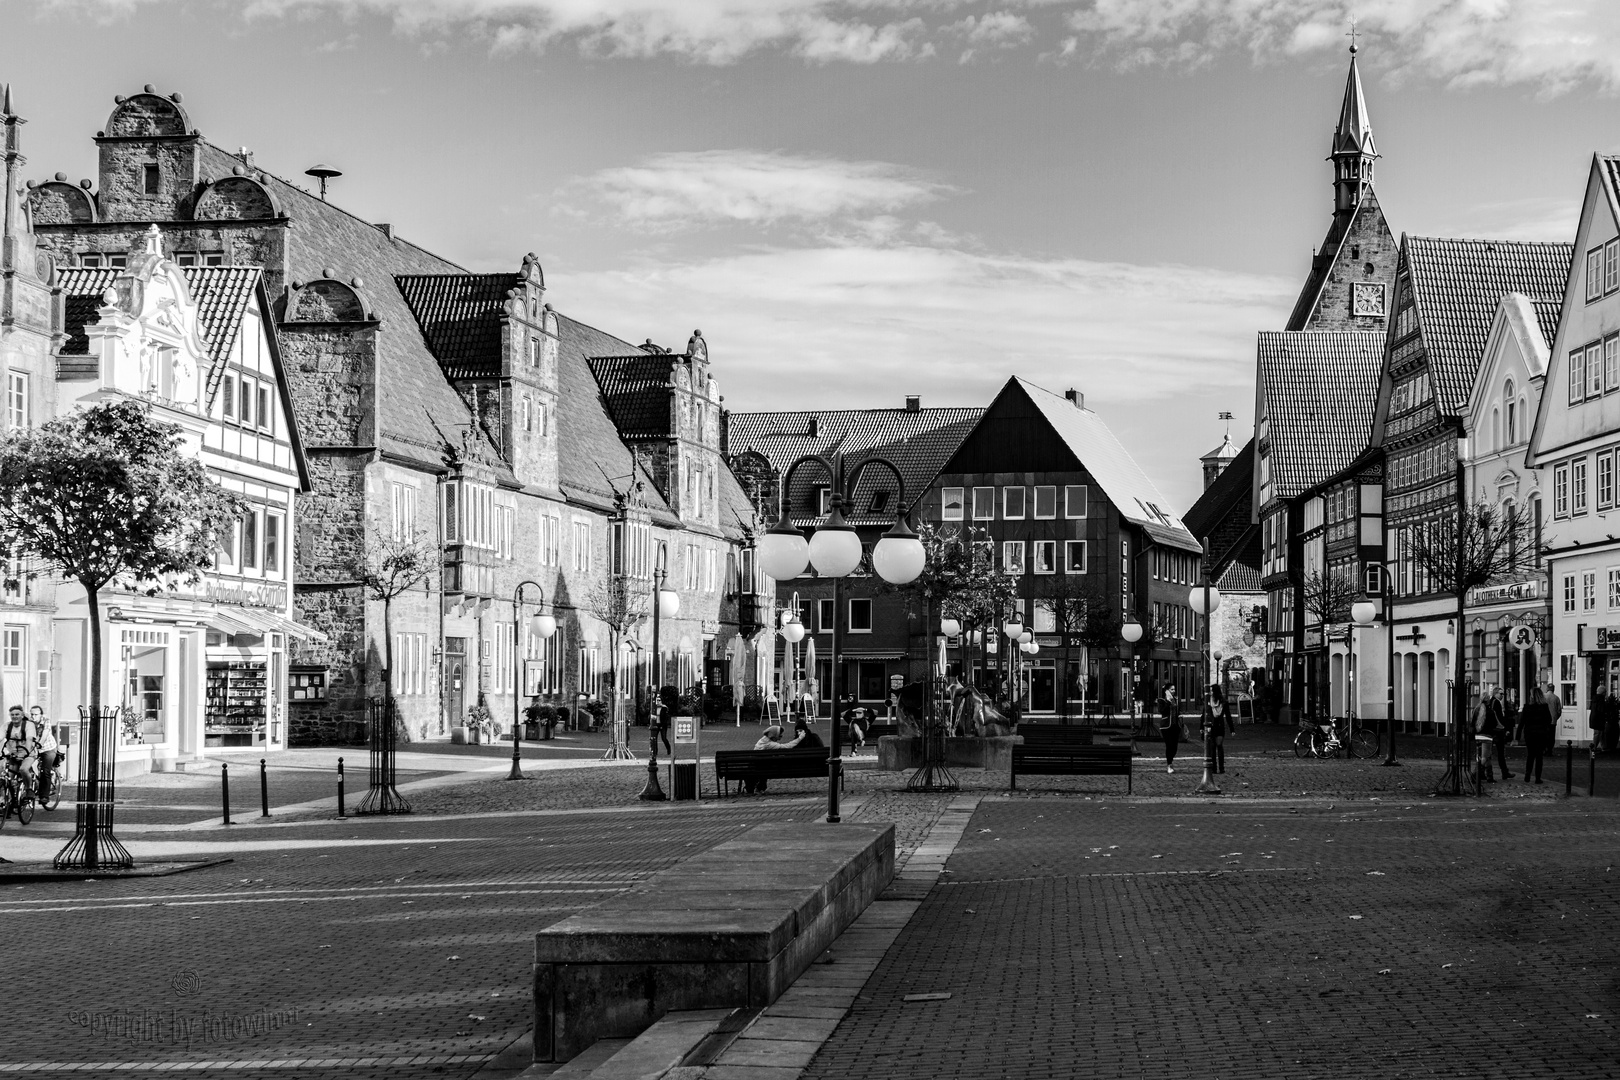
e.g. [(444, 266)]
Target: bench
[(1062, 735), (1053, 759), (741, 765), (731, 927)]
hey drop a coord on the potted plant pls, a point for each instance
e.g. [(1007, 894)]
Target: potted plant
[(598, 711), (479, 724)]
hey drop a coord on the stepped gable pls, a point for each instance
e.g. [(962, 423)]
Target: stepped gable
[(918, 441), (1457, 286), (460, 319), (1320, 390)]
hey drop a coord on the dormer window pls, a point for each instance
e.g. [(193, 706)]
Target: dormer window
[(880, 501)]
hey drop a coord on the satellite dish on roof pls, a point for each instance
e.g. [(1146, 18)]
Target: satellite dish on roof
[(323, 173)]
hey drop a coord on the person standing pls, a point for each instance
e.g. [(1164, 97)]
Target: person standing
[(1169, 727), (1597, 716), (1538, 735), (669, 702), (1554, 703), (1499, 728), (1216, 722)]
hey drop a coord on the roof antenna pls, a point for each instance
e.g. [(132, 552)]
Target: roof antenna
[(323, 173)]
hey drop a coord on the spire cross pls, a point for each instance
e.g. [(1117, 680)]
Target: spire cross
[(1352, 36)]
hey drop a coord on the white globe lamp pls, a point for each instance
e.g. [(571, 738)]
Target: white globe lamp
[(1131, 631), (783, 552), (1195, 599), (543, 626), (1363, 612), (899, 556), (793, 630), (669, 603), (950, 627)]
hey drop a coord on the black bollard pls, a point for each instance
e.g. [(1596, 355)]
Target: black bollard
[(225, 790), (340, 787), (1569, 766), (1591, 771), (264, 790)]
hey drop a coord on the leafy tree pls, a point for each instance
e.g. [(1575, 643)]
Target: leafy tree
[(103, 496), (395, 565)]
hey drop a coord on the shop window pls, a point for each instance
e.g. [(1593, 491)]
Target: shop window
[(950, 504), (1075, 499), (860, 616)]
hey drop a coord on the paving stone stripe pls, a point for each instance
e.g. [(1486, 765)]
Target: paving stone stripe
[(257, 1063)]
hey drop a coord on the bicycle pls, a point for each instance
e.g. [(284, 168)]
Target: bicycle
[(16, 795), (1324, 740), (50, 786)]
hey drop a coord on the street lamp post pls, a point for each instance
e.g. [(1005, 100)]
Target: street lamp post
[(541, 626), (1131, 631), (1204, 599), (666, 605), (834, 549)]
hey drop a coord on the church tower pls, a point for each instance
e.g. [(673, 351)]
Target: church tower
[(1353, 148)]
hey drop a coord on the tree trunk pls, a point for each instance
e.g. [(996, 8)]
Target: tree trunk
[(92, 755)]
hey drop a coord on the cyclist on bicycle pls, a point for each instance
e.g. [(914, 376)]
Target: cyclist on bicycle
[(22, 735), (48, 749)]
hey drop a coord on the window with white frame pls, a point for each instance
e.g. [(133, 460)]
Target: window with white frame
[(16, 400), (1075, 500), (272, 543), (250, 540), (580, 544), (11, 647), (1594, 369), (1611, 363), (1074, 556), (1569, 593), (505, 643), (984, 504), (1594, 274), (1577, 486), (950, 504), (1605, 480), (1045, 501), (550, 538), (825, 610), (860, 615), (1043, 616), (1577, 375), (1614, 588), (1589, 590), (410, 663), (1567, 679), (1045, 552), (709, 575), (1012, 502), (402, 498), (1012, 557), (526, 413), (1561, 491)]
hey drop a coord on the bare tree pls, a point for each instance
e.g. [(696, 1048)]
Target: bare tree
[(394, 566), (1329, 595), (1496, 544), (621, 608)]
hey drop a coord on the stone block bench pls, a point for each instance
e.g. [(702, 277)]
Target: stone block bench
[(729, 928)]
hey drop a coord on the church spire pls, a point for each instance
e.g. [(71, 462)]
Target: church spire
[(16, 240), (1353, 148)]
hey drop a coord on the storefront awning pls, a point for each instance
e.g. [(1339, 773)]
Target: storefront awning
[(258, 622), (872, 654)]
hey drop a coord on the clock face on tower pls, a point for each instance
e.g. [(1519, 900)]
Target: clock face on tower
[(1367, 298)]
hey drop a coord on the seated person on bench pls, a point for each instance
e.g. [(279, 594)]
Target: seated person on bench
[(770, 740), (805, 738)]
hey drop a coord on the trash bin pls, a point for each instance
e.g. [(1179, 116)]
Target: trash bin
[(685, 781)]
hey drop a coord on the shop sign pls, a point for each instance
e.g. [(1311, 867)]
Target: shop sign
[(1522, 637), (1072, 641), (1313, 639), (897, 682), (214, 590), (1599, 639), (1500, 594), (1048, 641)]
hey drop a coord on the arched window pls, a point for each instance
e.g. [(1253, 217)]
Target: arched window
[(1512, 413)]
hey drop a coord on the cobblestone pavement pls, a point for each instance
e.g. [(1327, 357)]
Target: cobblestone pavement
[(391, 940), (1252, 938)]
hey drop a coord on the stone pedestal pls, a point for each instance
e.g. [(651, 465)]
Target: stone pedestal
[(896, 752)]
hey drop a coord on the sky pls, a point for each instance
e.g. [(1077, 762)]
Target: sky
[(864, 200)]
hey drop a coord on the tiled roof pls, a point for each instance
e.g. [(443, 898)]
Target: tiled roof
[(1240, 576), (1135, 496), (919, 442), (415, 397), (1458, 284), (1223, 512), (221, 294), (636, 389), (1547, 314), (1318, 389), (1611, 165), (593, 461), (1326, 258), (460, 318)]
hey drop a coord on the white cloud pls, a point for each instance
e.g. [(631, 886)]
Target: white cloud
[(1461, 42), (1001, 28), (716, 187)]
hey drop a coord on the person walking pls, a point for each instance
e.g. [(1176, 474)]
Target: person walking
[(1538, 735), (1604, 718), (1169, 727), (1499, 729), (1216, 722)]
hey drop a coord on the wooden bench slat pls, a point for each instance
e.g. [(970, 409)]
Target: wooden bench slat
[(1071, 760)]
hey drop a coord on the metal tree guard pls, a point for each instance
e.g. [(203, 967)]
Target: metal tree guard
[(94, 847), (933, 774), (381, 796)]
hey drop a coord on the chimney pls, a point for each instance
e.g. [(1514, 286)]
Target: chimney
[(1075, 398), (386, 229), (913, 403)]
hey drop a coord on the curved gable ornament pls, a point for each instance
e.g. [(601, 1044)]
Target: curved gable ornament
[(149, 332), (235, 198), (146, 114), (56, 202), (327, 300)]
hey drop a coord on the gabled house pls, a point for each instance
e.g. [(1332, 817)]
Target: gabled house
[(1574, 444), (1447, 296), (1501, 410), (1067, 511)]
